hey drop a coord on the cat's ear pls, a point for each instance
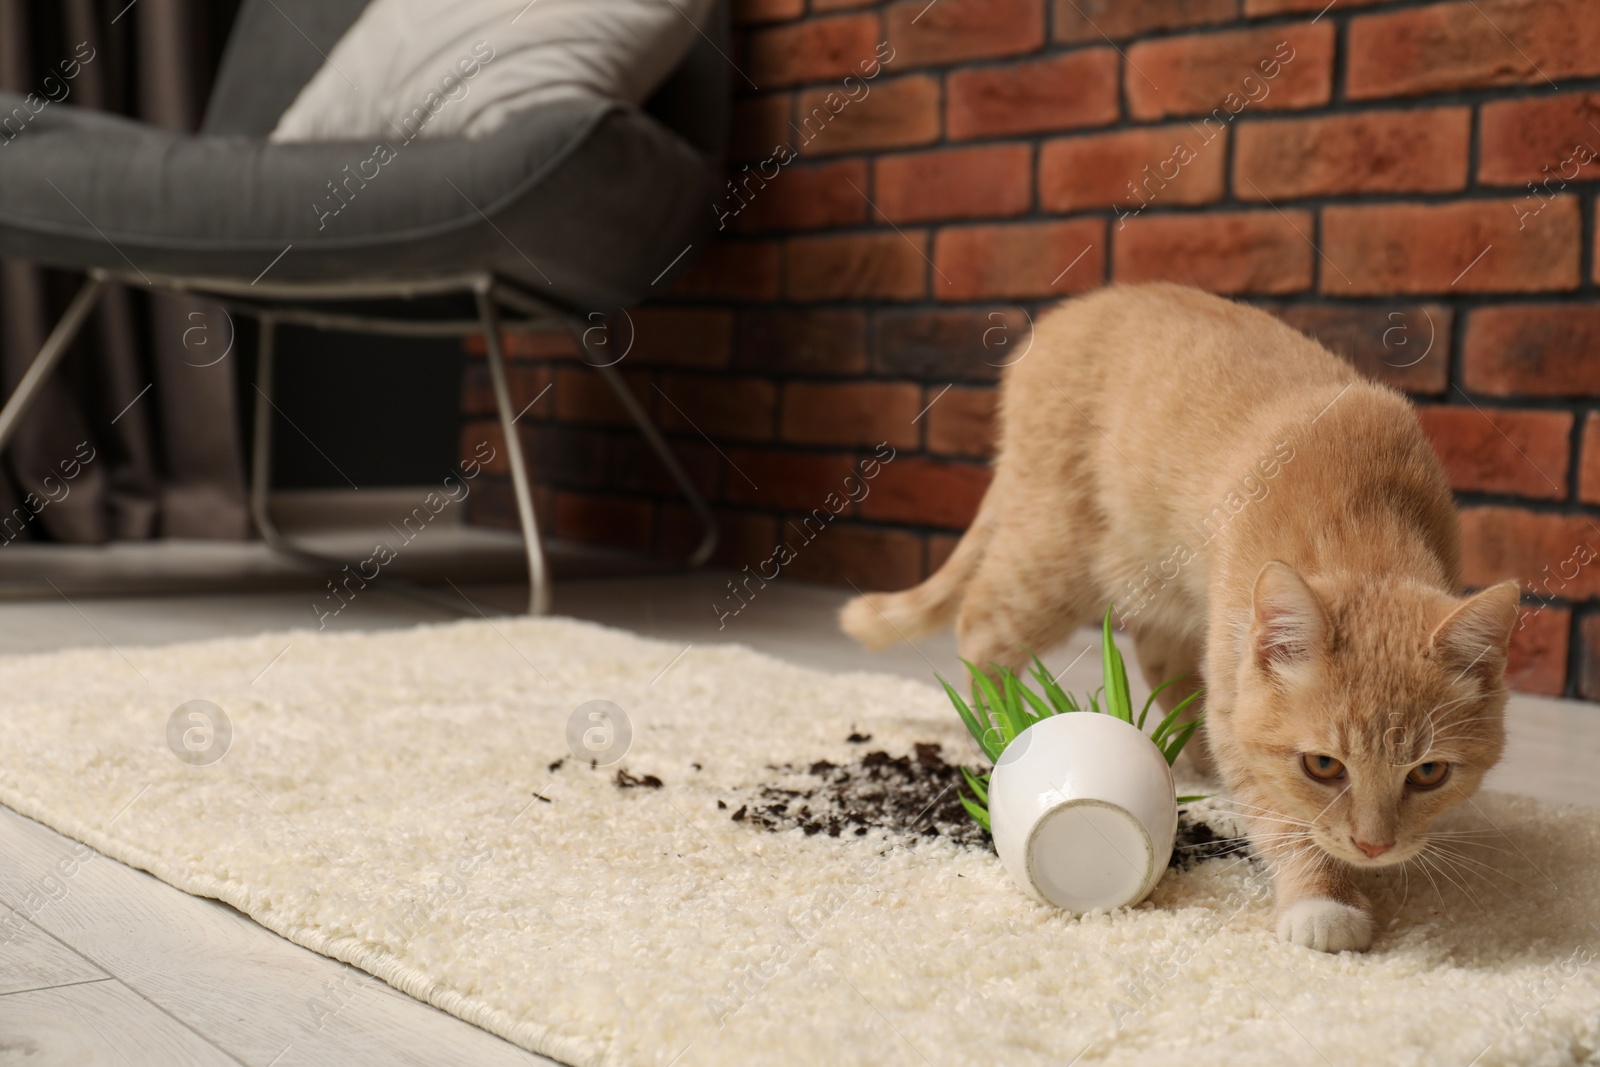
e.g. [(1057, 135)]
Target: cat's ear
[(1288, 626), (1474, 636)]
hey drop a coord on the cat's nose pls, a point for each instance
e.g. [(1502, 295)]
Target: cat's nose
[(1373, 851)]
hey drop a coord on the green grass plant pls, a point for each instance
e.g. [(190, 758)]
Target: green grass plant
[(1001, 709)]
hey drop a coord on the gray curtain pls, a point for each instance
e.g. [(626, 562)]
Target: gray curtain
[(143, 387)]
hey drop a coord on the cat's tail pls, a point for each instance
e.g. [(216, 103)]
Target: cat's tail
[(878, 620)]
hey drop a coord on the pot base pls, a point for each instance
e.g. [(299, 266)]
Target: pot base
[(1088, 854)]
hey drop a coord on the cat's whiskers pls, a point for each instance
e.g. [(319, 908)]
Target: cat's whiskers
[(1475, 718), (1269, 814), (1428, 721), (1307, 854), (1244, 857), (1448, 864), (1465, 837), (1279, 853), (1423, 867), (1267, 833), (1337, 797), (1455, 855), (1453, 730), (1254, 809), (1241, 850), (1436, 862), (1275, 850), (1246, 839), (1321, 860), (1450, 870), (1295, 848), (1447, 705), (1289, 854), (1456, 732)]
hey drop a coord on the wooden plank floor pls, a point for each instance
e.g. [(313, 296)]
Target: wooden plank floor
[(103, 964)]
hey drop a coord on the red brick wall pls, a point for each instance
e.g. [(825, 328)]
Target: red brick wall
[(1411, 182)]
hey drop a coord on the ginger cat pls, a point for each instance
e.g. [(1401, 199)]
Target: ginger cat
[(1271, 525)]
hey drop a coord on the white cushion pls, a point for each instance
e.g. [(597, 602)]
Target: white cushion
[(459, 68)]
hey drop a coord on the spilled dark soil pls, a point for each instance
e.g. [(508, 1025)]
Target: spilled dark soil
[(1196, 841), (625, 780), (915, 796)]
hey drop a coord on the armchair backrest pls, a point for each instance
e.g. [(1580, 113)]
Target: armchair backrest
[(274, 49), (696, 101)]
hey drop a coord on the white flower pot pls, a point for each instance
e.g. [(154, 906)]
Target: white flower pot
[(1082, 810)]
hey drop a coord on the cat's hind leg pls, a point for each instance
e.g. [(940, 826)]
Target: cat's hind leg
[(1030, 591), (878, 620)]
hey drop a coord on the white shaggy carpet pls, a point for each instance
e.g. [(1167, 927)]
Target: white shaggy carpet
[(377, 805)]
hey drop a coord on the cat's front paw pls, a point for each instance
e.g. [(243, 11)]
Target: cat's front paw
[(1325, 925)]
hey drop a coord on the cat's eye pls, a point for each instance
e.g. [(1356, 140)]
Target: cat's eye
[(1322, 768), (1428, 775)]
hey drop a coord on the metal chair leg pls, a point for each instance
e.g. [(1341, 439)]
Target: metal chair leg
[(261, 480), (538, 574), (55, 346), (658, 444), (261, 444), (261, 454)]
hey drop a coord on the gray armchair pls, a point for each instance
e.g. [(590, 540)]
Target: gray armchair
[(571, 208)]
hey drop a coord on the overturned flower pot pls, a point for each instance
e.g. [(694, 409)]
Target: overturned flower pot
[(1083, 812), (1081, 801)]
